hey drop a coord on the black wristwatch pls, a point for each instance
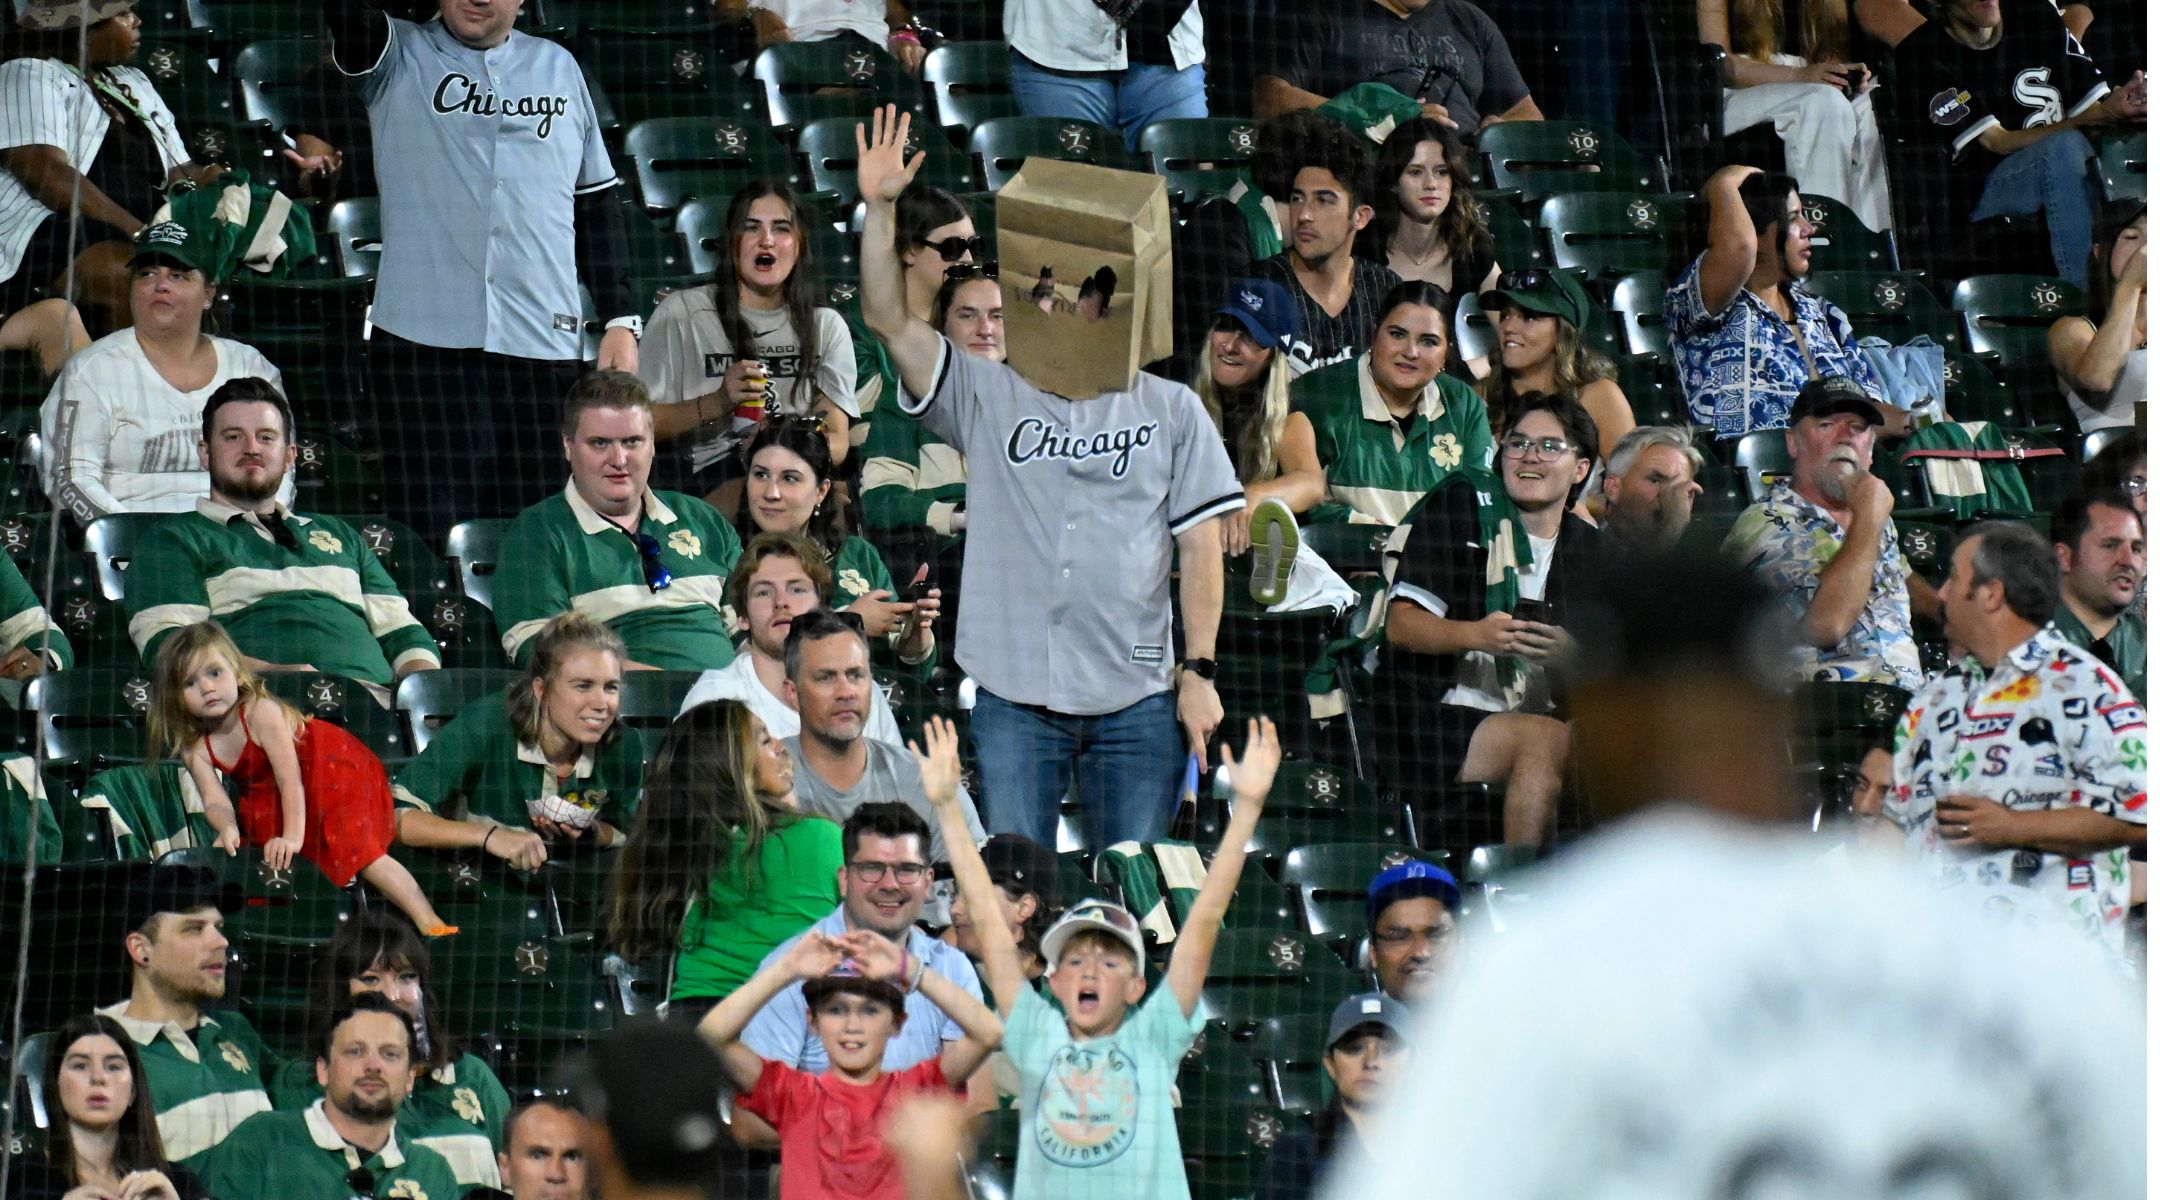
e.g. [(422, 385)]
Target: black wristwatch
[(1203, 667)]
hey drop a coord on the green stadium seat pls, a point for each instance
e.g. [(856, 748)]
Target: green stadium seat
[(1516, 244), (1972, 393), (1638, 301), (675, 16), (1199, 156), (189, 85), (828, 147), (1544, 158), (235, 23), (172, 21), (110, 541), (650, 700), (474, 548), (1762, 459), (331, 477), (273, 77), (344, 703), (1926, 546), (429, 700), (1349, 548), (671, 73), (1474, 334), (970, 83), (1290, 1049), (1257, 974), (807, 81), (1330, 881), (1264, 658), (71, 913), (2009, 315), (354, 228), (1843, 242), (2099, 440), (2121, 164), (1652, 393), (1893, 307), (1003, 143), (997, 1152), (676, 158), (91, 719), (1217, 1069), (1608, 233)]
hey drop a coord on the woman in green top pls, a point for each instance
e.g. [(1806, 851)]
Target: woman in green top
[(457, 1107), (551, 742), (790, 491), (720, 867)]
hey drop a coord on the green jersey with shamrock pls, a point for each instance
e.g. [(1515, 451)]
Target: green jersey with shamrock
[(1380, 465)]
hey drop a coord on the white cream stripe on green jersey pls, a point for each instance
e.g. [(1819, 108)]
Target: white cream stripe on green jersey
[(240, 587), (23, 770), (23, 628), (190, 1128), (607, 604), (174, 832), (471, 1157), (151, 622)]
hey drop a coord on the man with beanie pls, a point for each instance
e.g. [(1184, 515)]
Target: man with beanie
[(1412, 913)]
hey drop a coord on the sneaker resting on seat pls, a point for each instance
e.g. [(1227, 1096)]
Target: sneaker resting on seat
[(1274, 548)]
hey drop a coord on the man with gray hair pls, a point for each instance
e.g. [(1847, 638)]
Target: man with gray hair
[(1650, 488), (2019, 774), (1824, 542)]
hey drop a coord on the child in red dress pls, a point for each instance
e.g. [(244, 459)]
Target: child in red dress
[(306, 786)]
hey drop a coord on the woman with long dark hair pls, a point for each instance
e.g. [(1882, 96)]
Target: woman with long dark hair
[(457, 1106), (721, 867), (1426, 225), (2100, 359), (789, 489), (103, 1139), (754, 343)]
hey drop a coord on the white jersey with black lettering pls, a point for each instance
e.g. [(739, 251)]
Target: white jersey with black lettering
[(1074, 507)]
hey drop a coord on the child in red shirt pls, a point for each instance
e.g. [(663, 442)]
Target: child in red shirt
[(832, 1126)]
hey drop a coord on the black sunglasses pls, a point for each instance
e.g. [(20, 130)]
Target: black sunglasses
[(962, 272), (362, 1182), (1524, 281), (950, 249), (657, 575)]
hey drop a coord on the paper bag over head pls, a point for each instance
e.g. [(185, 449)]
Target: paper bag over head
[(1084, 262)]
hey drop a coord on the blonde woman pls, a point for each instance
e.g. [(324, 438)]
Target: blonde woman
[(1797, 77), (1539, 316)]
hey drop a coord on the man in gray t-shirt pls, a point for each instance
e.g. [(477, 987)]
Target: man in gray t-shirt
[(837, 767), (1446, 54)]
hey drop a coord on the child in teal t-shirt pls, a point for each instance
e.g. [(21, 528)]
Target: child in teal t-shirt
[(1095, 1078)]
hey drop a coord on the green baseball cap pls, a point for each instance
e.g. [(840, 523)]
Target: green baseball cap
[(174, 242), (1554, 293)]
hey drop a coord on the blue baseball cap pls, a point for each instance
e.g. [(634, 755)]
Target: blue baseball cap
[(1265, 309), (1404, 881)]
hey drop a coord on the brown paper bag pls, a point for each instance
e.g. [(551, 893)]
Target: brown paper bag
[(1084, 262)]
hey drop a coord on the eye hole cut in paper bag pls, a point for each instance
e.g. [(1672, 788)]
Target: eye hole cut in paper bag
[(1084, 261)]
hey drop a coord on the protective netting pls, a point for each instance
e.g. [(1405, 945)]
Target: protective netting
[(688, 176)]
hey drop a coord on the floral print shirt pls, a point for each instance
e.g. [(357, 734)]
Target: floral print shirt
[(1741, 367), (1788, 540)]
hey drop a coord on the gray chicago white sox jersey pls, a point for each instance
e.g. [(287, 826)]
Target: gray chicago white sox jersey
[(1073, 511), (479, 155)]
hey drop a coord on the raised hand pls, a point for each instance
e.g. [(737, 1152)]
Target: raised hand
[(816, 954), (941, 765), (875, 955), (882, 168), (1252, 774)]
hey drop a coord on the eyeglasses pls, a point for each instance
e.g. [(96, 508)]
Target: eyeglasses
[(906, 874), (1520, 447), (657, 575), (1398, 936), (2134, 486), (950, 249), (362, 1182), (962, 272), (1524, 281)]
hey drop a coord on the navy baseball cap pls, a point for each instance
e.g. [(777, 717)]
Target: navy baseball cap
[(1406, 880), (1265, 309), (1366, 1009)]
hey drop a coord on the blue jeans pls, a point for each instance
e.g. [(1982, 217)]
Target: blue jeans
[(1128, 765), (2048, 177), (1124, 100)]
